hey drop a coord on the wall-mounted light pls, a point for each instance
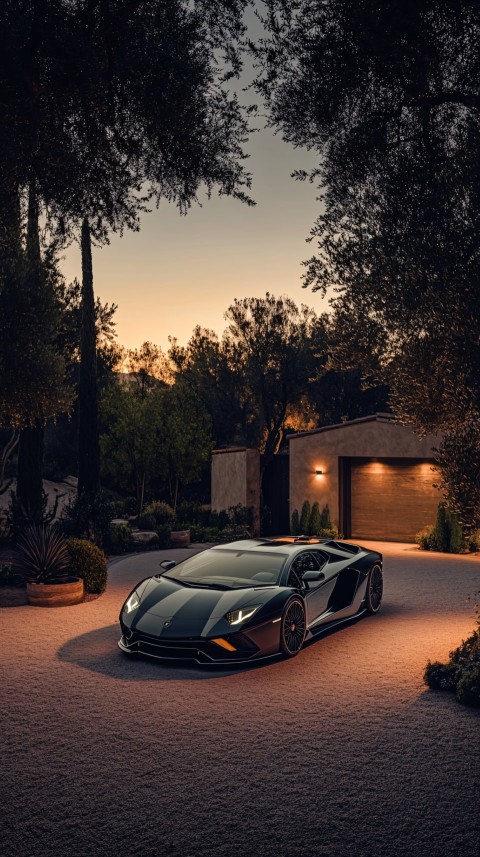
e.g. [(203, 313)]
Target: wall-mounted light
[(319, 473)]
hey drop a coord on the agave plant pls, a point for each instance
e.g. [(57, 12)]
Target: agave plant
[(42, 555)]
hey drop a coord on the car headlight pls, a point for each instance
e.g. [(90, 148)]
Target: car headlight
[(131, 603), (237, 616)]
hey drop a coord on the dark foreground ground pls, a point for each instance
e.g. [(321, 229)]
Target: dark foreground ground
[(341, 751)]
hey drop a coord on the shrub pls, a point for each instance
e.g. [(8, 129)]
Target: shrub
[(440, 676), (315, 521), (231, 534), (295, 523), (120, 538), (220, 519), (241, 516), (124, 508), (10, 577), (456, 539), (468, 652), (425, 539), (462, 672), (88, 517), (190, 512), (305, 519), (204, 534), (468, 687), (330, 532), (161, 513), (442, 540), (447, 535), (325, 520), (146, 522), (41, 555), (88, 562), (473, 542), (164, 533)]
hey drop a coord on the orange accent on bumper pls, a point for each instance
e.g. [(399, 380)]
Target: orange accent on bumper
[(224, 644)]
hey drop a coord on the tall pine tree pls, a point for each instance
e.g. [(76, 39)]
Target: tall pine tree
[(88, 448)]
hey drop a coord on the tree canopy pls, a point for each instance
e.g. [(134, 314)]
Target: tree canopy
[(107, 104), (389, 95)]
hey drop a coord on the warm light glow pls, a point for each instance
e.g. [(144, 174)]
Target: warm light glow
[(224, 644), (319, 473)]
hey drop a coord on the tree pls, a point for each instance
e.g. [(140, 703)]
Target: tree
[(107, 104), (271, 348), (33, 383), (205, 365), (131, 444), (187, 437), (161, 439), (148, 366), (104, 106), (389, 96), (88, 444)]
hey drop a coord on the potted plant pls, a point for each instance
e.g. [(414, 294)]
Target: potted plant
[(42, 558), (180, 538)]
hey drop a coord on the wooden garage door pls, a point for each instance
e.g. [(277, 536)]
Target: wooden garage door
[(391, 499)]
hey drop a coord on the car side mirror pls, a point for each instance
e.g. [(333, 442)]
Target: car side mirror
[(313, 577), (167, 564)]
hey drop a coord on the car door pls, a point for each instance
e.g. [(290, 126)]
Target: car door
[(316, 593)]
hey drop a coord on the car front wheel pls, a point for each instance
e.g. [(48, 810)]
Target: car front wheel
[(293, 628)]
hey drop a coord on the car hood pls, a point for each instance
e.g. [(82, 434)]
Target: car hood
[(189, 610)]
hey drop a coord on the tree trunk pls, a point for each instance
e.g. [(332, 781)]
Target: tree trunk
[(30, 445), (10, 240), (7, 451), (88, 446), (29, 473)]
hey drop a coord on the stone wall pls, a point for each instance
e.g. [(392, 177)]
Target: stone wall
[(236, 480)]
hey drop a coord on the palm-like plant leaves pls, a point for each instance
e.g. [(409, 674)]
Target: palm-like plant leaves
[(42, 554)]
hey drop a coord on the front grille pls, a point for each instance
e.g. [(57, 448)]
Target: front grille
[(203, 651)]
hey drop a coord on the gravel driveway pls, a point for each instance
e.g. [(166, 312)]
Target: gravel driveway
[(340, 751)]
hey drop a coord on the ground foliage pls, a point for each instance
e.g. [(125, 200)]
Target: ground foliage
[(447, 535), (461, 674)]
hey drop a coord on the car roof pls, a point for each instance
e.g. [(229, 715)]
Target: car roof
[(292, 545)]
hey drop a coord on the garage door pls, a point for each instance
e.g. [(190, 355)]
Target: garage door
[(391, 499)]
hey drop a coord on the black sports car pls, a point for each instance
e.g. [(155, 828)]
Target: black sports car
[(250, 599)]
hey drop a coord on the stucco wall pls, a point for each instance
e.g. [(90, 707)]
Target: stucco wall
[(236, 480), (321, 451)]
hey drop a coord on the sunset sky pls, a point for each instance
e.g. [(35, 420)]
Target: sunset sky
[(181, 271)]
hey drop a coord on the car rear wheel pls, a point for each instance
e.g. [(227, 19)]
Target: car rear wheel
[(374, 594), (293, 628)]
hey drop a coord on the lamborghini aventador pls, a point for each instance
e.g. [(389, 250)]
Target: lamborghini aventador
[(250, 599)]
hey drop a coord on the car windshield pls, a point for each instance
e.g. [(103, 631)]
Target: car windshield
[(232, 569)]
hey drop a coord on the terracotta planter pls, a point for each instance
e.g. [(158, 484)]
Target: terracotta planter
[(55, 594), (180, 538)]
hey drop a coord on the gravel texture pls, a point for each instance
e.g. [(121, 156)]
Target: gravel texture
[(340, 751)]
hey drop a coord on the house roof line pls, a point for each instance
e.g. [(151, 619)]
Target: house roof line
[(378, 417)]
